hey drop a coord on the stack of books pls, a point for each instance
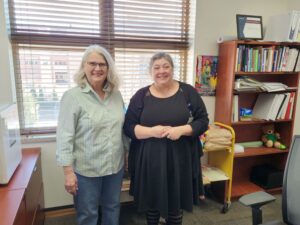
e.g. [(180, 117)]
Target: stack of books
[(250, 84), (273, 86), (247, 84), (274, 106)]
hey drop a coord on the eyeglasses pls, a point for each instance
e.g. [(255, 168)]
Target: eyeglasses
[(94, 65)]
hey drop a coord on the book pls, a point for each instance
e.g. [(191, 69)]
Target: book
[(284, 106), (291, 59), (235, 108), (273, 86), (206, 74), (263, 106), (247, 84), (284, 58), (281, 106), (289, 109), (297, 67), (292, 105), (276, 106)]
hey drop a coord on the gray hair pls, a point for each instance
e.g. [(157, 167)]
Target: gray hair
[(112, 76), (161, 55)]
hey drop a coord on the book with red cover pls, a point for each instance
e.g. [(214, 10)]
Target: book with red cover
[(289, 109)]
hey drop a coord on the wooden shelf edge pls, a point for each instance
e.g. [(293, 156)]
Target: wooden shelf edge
[(260, 92), (250, 152), (274, 191), (240, 123), (253, 42), (245, 187), (241, 73)]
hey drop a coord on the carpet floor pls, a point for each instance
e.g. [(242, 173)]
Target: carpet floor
[(208, 213)]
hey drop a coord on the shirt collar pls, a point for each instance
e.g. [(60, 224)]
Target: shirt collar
[(87, 87)]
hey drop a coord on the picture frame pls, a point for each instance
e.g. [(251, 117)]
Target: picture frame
[(206, 75), (249, 27)]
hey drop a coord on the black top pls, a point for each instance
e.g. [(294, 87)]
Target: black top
[(164, 173)]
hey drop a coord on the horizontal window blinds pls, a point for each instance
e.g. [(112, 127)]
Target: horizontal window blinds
[(164, 22), (49, 38)]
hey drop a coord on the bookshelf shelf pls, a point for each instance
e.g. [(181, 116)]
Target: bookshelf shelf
[(276, 92), (227, 99), (264, 73), (241, 123), (251, 152), (244, 187), (263, 43)]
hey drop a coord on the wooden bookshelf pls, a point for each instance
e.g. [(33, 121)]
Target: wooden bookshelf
[(251, 130)]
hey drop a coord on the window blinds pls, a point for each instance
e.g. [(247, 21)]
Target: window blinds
[(49, 37)]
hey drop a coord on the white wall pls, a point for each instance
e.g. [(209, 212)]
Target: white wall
[(294, 4), (214, 18)]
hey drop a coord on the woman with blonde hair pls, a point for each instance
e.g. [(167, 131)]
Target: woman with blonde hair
[(90, 141)]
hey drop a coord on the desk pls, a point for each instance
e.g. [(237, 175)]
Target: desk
[(22, 199)]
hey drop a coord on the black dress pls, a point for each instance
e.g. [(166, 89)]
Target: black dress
[(164, 172)]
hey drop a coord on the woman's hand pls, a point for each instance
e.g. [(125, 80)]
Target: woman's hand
[(174, 133), (159, 131), (143, 132), (71, 184)]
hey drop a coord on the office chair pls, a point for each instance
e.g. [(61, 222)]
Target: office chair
[(290, 192)]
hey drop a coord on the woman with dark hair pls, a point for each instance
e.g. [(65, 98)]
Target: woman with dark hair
[(164, 121)]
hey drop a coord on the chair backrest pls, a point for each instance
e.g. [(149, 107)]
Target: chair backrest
[(291, 185)]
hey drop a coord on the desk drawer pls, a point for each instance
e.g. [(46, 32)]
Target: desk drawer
[(32, 194)]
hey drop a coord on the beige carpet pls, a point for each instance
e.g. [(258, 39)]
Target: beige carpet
[(208, 213)]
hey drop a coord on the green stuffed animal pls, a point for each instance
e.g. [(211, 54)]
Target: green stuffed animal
[(270, 138)]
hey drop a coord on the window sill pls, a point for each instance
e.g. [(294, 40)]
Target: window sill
[(38, 138)]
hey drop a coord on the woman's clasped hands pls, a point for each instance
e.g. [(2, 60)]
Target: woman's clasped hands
[(172, 133)]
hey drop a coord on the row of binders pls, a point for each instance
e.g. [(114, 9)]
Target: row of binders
[(268, 106), (267, 59), (274, 106)]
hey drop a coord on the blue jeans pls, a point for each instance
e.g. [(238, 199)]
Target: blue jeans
[(95, 191)]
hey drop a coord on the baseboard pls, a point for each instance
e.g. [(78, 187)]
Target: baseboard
[(59, 211)]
